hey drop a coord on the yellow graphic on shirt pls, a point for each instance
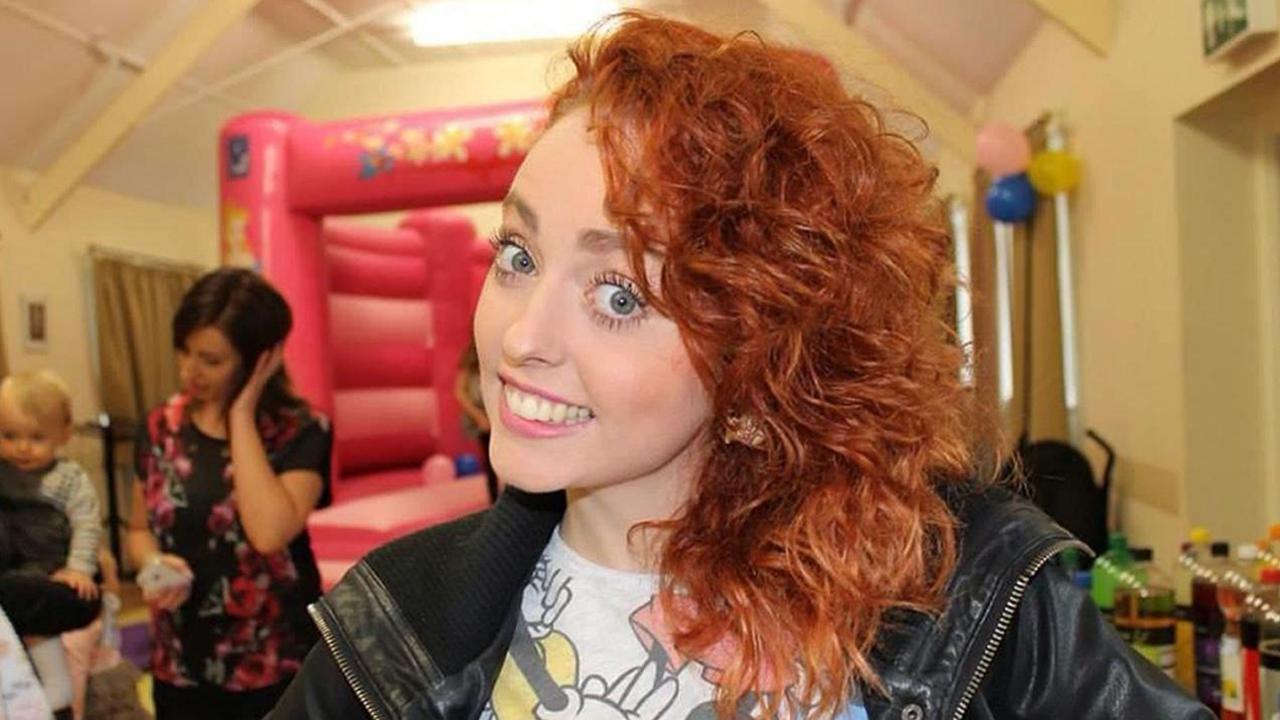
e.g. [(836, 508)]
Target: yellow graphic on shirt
[(513, 697)]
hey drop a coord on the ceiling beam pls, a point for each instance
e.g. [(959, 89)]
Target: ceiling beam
[(199, 33), (371, 41), (284, 55), (1093, 21), (827, 33)]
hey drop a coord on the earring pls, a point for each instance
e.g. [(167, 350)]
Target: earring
[(743, 429)]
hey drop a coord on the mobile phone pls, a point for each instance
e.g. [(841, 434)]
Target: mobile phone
[(158, 575)]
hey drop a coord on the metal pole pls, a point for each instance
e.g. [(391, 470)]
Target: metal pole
[(959, 216), (109, 470), (1055, 139), (1004, 312)]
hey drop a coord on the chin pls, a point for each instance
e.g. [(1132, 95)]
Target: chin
[(534, 482)]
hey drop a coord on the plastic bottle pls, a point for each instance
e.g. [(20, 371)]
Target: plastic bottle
[(1206, 617), (1143, 613), (1069, 559), (1250, 667), (1269, 645), (1106, 569), (1184, 626), (1269, 549), (1238, 582)]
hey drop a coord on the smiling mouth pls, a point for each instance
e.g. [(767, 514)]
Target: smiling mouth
[(539, 409)]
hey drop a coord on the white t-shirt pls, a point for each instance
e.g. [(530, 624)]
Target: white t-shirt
[(592, 644)]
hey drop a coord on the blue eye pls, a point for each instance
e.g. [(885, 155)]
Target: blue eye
[(512, 258), (616, 301)]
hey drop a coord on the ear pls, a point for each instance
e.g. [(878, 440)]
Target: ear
[(64, 436)]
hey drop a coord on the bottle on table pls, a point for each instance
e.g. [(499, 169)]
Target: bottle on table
[(1106, 570), (1269, 549), (1237, 585), (1268, 618), (1207, 620), (1189, 564), (1070, 561), (1144, 610)]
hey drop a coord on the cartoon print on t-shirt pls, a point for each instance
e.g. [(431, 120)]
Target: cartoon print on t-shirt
[(540, 676)]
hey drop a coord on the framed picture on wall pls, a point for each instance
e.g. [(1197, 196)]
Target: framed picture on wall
[(35, 322), (1226, 24)]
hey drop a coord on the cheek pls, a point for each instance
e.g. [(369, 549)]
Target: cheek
[(494, 315), (656, 394)]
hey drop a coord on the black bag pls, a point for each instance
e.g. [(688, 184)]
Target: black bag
[(1059, 479)]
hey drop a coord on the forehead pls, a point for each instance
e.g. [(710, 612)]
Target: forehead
[(562, 178), (208, 339), (13, 417)]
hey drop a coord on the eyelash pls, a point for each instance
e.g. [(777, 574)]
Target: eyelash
[(501, 238), (613, 323)]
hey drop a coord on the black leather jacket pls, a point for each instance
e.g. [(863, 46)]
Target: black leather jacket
[(420, 628)]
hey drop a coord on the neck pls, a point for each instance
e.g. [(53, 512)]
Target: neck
[(597, 520), (209, 418)]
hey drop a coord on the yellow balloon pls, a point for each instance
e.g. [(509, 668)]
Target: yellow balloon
[(1054, 171)]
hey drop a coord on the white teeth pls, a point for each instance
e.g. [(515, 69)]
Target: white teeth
[(528, 406), (531, 407)]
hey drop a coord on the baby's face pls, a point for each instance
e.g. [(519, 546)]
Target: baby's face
[(26, 442)]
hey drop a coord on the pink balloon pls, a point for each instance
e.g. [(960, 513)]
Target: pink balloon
[(438, 469), (1002, 149)]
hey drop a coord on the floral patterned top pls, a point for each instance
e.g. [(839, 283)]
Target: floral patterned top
[(245, 624)]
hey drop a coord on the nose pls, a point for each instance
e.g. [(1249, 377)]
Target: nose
[(535, 333), (184, 369)]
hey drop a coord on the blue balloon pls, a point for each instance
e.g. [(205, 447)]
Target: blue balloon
[(1011, 198), (466, 464)]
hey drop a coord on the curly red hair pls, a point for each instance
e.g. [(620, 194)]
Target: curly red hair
[(806, 265)]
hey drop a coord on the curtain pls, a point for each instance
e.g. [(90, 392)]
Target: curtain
[(1038, 408), (134, 304)]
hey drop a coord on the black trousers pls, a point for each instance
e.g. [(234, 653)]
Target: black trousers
[(37, 605), (204, 703)]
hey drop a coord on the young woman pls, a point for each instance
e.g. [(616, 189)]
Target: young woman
[(720, 386), (228, 471)]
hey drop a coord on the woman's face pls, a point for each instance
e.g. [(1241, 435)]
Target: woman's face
[(208, 366), (585, 385)]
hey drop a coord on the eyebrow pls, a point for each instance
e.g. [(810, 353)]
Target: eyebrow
[(526, 213), (592, 239), (600, 241)]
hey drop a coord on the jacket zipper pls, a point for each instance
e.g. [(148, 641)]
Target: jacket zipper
[(331, 640), (1006, 618)]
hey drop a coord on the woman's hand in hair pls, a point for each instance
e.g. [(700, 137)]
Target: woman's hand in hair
[(268, 364)]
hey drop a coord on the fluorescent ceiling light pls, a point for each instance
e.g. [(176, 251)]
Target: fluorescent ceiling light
[(441, 23)]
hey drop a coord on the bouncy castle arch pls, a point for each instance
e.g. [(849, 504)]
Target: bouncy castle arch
[(281, 176)]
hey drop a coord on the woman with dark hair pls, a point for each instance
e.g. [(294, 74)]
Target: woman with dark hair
[(737, 450), (228, 471)]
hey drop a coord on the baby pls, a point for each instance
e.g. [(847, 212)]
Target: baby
[(50, 527)]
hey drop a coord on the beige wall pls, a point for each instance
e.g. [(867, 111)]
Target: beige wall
[(53, 262), (1124, 116)]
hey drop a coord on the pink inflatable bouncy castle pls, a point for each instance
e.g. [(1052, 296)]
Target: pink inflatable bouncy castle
[(381, 315)]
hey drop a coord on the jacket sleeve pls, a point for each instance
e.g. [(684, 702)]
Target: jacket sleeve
[(318, 692), (1063, 659)]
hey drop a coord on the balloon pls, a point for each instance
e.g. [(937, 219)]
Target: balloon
[(1054, 171), (1002, 149), (1011, 198), (466, 464), (438, 469)]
